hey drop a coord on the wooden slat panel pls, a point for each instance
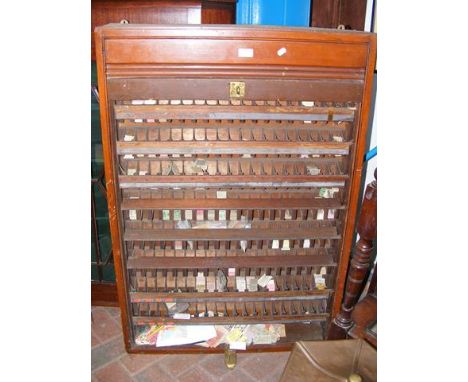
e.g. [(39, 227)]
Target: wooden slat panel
[(230, 112), (227, 262), (293, 295), (229, 234), (190, 88), (222, 204), (203, 147)]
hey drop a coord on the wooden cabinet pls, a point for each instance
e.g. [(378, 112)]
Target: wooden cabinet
[(331, 13), (235, 150), (161, 12)]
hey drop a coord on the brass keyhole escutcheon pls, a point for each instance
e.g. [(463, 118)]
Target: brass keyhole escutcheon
[(236, 89)]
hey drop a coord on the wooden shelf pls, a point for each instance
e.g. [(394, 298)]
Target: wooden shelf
[(292, 295), (229, 234), (232, 204), (225, 262), (207, 148), (146, 181), (140, 320), (229, 112), (312, 331)]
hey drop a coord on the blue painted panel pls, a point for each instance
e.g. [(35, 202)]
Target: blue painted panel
[(273, 12)]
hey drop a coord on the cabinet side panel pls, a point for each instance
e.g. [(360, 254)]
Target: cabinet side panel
[(111, 187), (356, 178)]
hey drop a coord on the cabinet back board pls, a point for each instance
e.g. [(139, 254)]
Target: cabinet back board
[(234, 149)]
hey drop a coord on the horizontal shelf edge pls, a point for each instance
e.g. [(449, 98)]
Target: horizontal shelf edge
[(229, 261), (224, 204), (230, 234), (141, 320), (203, 147), (147, 297)]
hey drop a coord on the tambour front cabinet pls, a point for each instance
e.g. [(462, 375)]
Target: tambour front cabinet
[(233, 161)]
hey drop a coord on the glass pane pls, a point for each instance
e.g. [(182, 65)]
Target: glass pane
[(108, 273), (94, 274)]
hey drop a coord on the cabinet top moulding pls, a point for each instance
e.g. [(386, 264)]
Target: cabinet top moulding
[(226, 44)]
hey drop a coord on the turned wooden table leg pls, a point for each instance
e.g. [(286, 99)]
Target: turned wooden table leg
[(360, 262)]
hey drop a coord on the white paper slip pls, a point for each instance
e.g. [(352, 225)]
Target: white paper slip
[(243, 244), (237, 345), (271, 285), (319, 281), (285, 245), (320, 214), (307, 103), (245, 52), (143, 173), (263, 281), (222, 215), (231, 271), (337, 138), (306, 243), (137, 102), (275, 244), (211, 214), (331, 214), (181, 316), (240, 283), (312, 170), (132, 214), (185, 334), (333, 191), (281, 52), (251, 283), (200, 215), (128, 156), (150, 102), (221, 194), (131, 171)]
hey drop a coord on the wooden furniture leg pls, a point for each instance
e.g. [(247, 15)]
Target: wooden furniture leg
[(360, 262)]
